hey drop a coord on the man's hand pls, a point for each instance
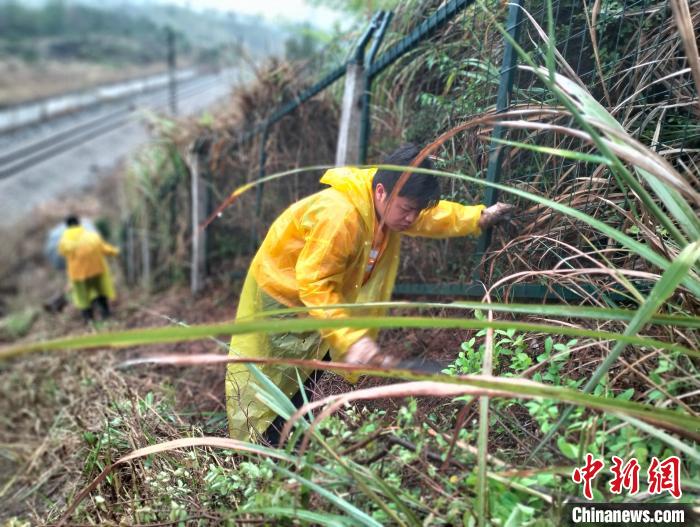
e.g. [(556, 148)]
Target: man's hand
[(495, 214), (364, 351)]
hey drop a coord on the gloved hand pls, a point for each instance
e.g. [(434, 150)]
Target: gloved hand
[(364, 351), (495, 214)]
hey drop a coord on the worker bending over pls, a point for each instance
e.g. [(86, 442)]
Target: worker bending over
[(327, 249)]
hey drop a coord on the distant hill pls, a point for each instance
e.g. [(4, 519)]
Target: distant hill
[(56, 46), (124, 31), (203, 26)]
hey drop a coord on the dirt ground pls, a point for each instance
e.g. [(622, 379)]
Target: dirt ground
[(52, 403)]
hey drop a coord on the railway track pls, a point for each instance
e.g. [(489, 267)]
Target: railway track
[(33, 153)]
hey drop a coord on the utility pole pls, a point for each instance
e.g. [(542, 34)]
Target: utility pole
[(172, 69)]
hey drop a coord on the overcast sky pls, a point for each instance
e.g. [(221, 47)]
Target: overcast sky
[(292, 10)]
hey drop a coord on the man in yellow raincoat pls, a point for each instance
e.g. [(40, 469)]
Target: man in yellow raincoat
[(88, 272), (327, 249)]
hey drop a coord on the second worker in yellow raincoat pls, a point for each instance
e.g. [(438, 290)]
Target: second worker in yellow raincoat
[(88, 272), (326, 249)]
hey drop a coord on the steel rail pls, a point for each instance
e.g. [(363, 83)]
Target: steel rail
[(31, 154)]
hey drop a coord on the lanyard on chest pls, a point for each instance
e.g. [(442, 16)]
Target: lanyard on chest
[(379, 243)]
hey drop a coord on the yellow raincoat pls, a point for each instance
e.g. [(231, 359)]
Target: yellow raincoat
[(315, 254), (85, 252)]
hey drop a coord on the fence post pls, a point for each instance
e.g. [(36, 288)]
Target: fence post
[(172, 70), (348, 150), (199, 214), (261, 171), (505, 89), (130, 253), (145, 259), (367, 89), (262, 159)]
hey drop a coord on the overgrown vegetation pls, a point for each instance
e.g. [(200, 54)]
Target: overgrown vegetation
[(607, 214)]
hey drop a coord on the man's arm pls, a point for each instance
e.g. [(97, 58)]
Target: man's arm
[(330, 245), (109, 249), (62, 249), (446, 220)]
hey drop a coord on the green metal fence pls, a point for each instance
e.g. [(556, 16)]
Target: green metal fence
[(614, 47), (368, 51)]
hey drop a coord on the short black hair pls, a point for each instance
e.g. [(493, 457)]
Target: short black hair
[(423, 189), (72, 221)]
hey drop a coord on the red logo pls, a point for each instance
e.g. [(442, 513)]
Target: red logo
[(665, 475), (587, 473), (626, 477), (662, 476)]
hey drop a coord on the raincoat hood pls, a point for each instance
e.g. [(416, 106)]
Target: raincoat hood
[(72, 237), (356, 185)]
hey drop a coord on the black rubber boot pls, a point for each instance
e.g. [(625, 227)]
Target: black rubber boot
[(272, 434), (87, 315), (101, 302)]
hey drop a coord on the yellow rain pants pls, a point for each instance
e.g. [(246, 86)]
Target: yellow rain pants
[(315, 254)]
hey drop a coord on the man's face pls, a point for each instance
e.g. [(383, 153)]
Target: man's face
[(400, 214)]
